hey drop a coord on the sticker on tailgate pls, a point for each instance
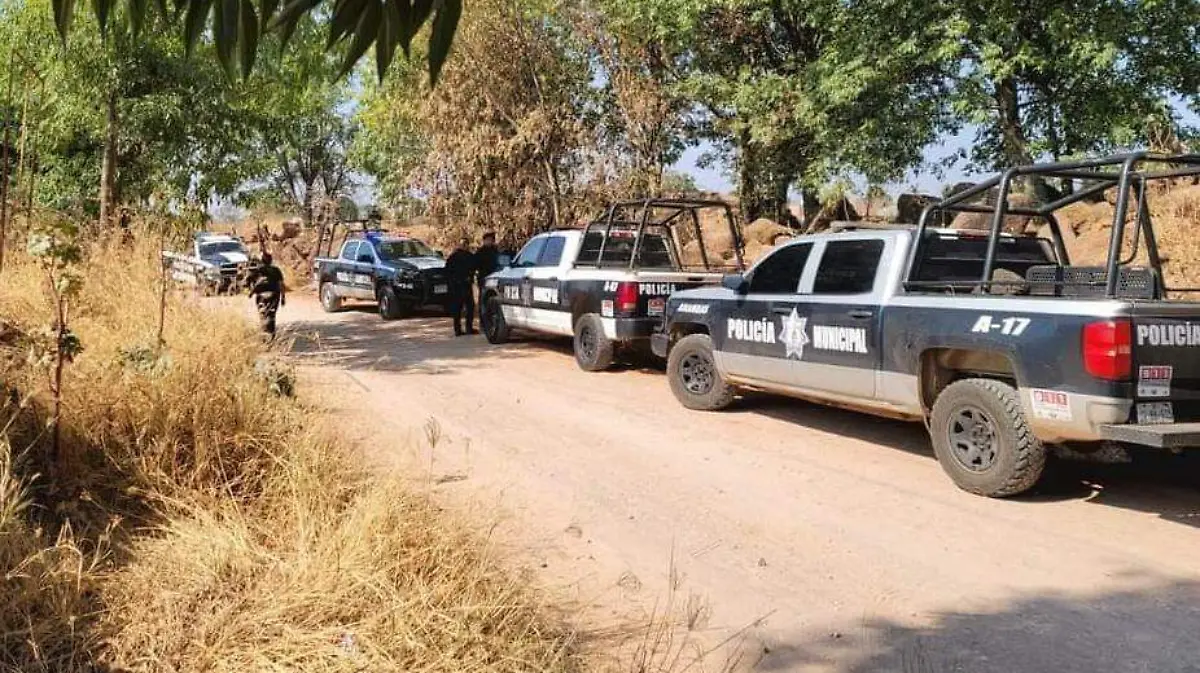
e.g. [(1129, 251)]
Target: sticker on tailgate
[(655, 306), (1154, 381)]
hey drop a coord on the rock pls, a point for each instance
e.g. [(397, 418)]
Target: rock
[(765, 232)]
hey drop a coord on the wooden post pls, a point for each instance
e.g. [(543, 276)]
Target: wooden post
[(4, 168)]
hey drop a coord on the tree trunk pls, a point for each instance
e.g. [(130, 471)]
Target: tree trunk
[(747, 178), (1013, 142), (812, 207), (108, 169), (306, 207)]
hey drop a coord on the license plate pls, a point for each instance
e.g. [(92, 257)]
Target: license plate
[(1155, 413), (441, 289), (655, 306)]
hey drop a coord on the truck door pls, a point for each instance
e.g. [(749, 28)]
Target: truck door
[(514, 286), (343, 270), (547, 310), (764, 328), (365, 270), (843, 307)]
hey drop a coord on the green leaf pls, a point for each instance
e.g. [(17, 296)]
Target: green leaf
[(385, 44), (365, 34), (248, 37), (347, 15), (137, 15), (442, 36), (64, 14), (225, 32), (193, 27), (290, 17), (269, 7), (102, 8)]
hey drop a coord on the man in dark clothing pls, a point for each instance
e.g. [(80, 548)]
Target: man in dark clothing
[(266, 286), (460, 267), (487, 261)]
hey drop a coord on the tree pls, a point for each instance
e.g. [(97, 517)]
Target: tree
[(1049, 79), (794, 91), (166, 128), (643, 115), (303, 130), (507, 126)]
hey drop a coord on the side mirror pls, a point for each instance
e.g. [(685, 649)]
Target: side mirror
[(736, 282)]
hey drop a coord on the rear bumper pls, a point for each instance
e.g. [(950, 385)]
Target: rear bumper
[(630, 329), (1163, 436)]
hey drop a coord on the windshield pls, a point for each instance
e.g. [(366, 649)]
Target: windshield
[(220, 247), (392, 250)]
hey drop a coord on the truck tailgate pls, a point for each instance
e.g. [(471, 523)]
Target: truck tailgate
[(655, 286), (1166, 363)]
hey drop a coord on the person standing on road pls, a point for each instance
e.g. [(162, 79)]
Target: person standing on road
[(487, 259), (266, 286), (460, 267)]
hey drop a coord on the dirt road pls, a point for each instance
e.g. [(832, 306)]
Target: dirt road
[(835, 536)]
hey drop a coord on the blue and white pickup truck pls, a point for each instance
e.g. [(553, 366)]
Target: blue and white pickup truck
[(398, 273)]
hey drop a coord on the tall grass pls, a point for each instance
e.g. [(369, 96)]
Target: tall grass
[(199, 520)]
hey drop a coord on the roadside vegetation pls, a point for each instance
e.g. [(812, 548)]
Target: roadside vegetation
[(197, 517)]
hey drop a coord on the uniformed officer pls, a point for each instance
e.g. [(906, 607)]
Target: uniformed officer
[(487, 260), (461, 267), (266, 286)]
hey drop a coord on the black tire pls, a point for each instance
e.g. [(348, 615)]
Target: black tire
[(593, 350), (330, 302), (692, 373), (982, 439), (390, 306), (495, 327)]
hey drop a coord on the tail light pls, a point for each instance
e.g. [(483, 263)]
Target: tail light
[(627, 297), (1108, 349)]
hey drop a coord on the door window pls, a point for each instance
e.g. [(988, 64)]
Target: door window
[(350, 251), (365, 254), (529, 254), (780, 273), (848, 267), (552, 252)]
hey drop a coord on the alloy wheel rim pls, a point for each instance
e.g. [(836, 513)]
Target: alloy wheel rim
[(696, 373), (974, 440)]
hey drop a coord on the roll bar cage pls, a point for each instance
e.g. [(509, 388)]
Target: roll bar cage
[(1129, 172), (664, 212)]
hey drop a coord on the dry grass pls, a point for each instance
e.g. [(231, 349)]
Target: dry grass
[(199, 520)]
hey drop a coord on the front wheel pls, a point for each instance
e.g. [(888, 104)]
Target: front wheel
[(982, 439), (390, 306), (495, 328), (330, 301), (692, 373), (593, 350)]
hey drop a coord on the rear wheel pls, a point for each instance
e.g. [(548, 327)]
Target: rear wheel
[(330, 301), (692, 373), (495, 328), (982, 439), (593, 350), (390, 306)]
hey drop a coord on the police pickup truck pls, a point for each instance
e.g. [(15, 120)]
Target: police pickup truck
[(398, 273), (216, 263), (607, 284), (996, 341)]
